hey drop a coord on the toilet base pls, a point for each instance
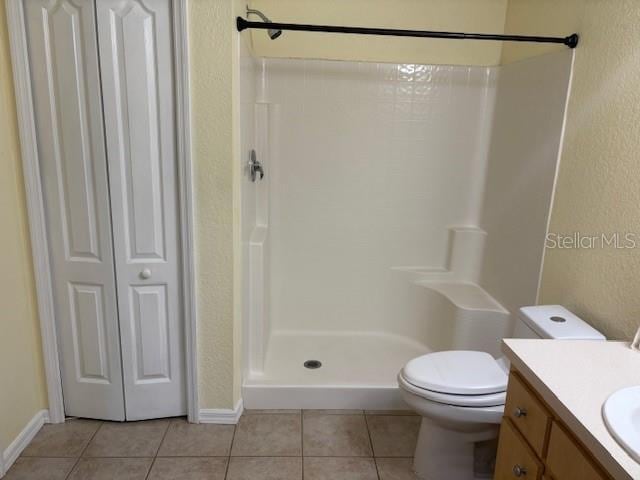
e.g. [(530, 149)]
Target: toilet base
[(445, 454)]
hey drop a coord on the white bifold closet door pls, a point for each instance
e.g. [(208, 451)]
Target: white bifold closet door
[(136, 59), (65, 79), (102, 78)]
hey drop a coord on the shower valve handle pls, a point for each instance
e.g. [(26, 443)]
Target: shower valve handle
[(255, 167), (257, 170)]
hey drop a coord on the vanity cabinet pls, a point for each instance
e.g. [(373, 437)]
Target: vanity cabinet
[(535, 444)]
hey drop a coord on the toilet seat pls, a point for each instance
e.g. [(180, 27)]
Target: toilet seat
[(457, 377), (457, 372), (469, 401)]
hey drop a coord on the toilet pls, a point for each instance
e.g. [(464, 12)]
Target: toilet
[(460, 395)]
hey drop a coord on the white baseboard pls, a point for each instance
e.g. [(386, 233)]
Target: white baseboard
[(223, 416), (23, 439)]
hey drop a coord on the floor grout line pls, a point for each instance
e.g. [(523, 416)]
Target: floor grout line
[(153, 462), (83, 450), (302, 440), (233, 438), (163, 438), (373, 453)]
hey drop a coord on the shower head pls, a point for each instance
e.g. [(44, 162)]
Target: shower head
[(273, 33)]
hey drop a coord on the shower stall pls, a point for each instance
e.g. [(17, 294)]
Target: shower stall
[(403, 210)]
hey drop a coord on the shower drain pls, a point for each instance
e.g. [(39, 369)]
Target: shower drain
[(312, 364)]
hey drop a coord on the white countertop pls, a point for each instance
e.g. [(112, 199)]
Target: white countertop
[(575, 377)]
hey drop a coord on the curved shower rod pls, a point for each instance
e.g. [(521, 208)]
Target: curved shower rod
[(242, 24)]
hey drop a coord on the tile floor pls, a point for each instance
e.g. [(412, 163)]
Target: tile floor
[(265, 445)]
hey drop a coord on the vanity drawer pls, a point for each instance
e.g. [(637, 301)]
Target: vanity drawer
[(566, 460), (526, 412), (515, 457)]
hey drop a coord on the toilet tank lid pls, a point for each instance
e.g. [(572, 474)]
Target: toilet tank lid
[(556, 322)]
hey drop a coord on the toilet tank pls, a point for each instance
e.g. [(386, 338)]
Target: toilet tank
[(553, 322)]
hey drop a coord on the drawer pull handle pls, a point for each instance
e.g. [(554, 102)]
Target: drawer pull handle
[(519, 471), (520, 412)]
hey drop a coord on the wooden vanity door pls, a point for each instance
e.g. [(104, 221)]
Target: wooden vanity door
[(515, 458)]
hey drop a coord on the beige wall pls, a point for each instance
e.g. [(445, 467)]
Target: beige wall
[(454, 15), (598, 189), (22, 386), (214, 50), (539, 17)]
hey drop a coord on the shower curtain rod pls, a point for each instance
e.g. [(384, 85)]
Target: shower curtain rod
[(242, 24)]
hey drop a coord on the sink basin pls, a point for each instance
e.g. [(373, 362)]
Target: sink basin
[(621, 414)]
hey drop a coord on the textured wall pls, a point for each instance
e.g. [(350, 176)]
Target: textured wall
[(539, 17), (598, 189), (454, 15), (23, 391), (215, 112)]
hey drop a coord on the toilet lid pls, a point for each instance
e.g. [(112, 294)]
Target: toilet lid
[(458, 372)]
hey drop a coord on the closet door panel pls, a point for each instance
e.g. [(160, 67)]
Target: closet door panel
[(149, 328), (63, 60), (136, 55), (89, 332)]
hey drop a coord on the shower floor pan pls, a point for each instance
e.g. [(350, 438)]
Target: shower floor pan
[(358, 371)]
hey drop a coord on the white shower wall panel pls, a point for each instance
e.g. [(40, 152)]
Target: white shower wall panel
[(523, 159), (374, 163), (255, 336)]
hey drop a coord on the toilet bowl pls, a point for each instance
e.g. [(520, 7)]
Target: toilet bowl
[(461, 395)]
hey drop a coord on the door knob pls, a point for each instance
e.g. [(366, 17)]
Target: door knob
[(146, 273)]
